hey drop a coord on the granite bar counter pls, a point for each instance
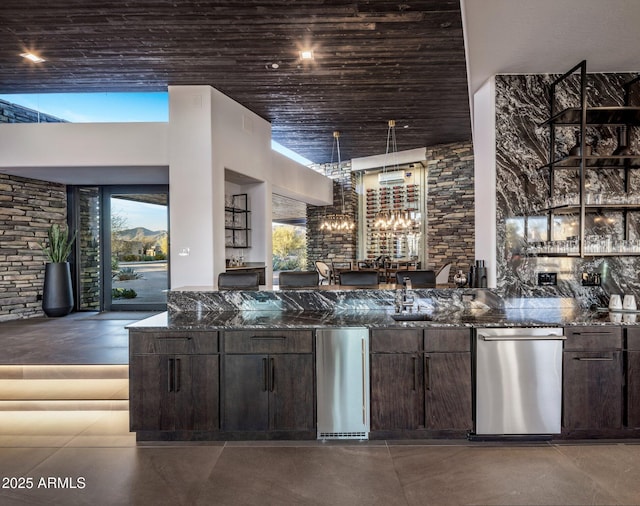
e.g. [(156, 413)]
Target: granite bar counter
[(475, 318), (201, 308)]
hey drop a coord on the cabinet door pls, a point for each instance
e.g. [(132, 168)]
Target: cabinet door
[(197, 392), (447, 387), (246, 396), (396, 340), (291, 390), (592, 390), (396, 391), (151, 396), (596, 338), (633, 377), (633, 389)]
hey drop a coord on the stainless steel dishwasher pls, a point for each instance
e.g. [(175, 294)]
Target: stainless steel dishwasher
[(342, 371), (518, 374)]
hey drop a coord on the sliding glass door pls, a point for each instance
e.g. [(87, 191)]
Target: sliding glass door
[(137, 238), (122, 249)]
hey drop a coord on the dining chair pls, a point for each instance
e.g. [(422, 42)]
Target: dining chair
[(298, 279), (442, 276), (359, 278), (324, 271), (390, 269), (339, 266), (238, 280), (419, 279)]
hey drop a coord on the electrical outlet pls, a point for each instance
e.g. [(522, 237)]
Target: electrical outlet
[(547, 278), (591, 279)]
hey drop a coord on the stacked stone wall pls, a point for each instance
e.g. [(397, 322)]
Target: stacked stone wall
[(329, 246), (451, 206), (12, 113), (27, 209)]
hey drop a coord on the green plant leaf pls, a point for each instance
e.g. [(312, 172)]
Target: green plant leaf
[(58, 244)]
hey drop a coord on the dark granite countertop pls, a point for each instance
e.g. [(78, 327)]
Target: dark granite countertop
[(509, 317)]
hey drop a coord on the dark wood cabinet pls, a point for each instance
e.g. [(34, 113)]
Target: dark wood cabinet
[(396, 391), (448, 390), (174, 381), (268, 381), (421, 379), (633, 377), (592, 378), (448, 385)]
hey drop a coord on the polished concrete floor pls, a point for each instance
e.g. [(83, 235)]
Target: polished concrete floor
[(72, 456)]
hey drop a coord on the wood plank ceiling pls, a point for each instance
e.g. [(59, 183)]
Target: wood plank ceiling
[(373, 61)]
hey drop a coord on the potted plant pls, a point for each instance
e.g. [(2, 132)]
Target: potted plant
[(57, 294)]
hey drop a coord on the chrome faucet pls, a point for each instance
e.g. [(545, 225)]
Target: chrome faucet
[(407, 297)]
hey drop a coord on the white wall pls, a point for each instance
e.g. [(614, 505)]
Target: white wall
[(484, 148), (207, 133), (292, 179), (191, 219), (80, 145), (390, 160), (242, 143), (208, 136)]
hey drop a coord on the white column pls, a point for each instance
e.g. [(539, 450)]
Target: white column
[(191, 187), (484, 148)]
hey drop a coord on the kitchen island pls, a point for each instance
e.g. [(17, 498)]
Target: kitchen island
[(241, 365)]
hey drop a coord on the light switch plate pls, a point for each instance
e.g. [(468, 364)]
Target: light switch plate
[(547, 278)]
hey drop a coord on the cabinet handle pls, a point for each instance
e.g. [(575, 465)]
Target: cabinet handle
[(268, 337), (363, 347), (176, 381), (170, 374), (594, 359), (265, 375), (273, 375), (427, 373), (415, 373), (589, 332), (185, 338)]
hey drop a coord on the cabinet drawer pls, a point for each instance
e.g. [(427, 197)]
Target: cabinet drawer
[(436, 339), (593, 338), (396, 341), (187, 342), (268, 341), (633, 338)]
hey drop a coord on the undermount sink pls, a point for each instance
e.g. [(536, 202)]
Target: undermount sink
[(405, 317)]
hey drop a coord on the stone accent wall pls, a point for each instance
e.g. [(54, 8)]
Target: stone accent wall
[(450, 211), (89, 242), (451, 207), (522, 147), (333, 246), (27, 209), (12, 113)]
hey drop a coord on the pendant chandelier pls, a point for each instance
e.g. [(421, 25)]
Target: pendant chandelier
[(392, 219), (338, 222)]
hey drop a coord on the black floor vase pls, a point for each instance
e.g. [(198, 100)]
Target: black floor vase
[(57, 296)]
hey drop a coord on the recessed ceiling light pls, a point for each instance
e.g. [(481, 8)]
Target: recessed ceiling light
[(306, 54), (33, 57)]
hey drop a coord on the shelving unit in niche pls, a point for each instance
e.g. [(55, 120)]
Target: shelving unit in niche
[(236, 221), (592, 214)]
